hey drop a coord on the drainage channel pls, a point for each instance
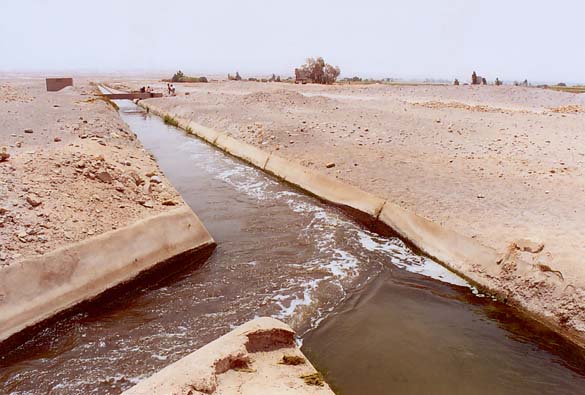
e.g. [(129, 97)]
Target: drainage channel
[(374, 316)]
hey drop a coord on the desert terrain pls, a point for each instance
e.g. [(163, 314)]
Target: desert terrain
[(501, 164), (71, 169)]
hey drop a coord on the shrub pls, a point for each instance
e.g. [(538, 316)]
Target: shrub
[(181, 77), (170, 120), (177, 76)]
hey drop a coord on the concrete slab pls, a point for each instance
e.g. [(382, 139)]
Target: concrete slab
[(37, 288), (245, 361)]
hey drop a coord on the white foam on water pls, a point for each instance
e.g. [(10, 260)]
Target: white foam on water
[(344, 264), (306, 300), (336, 262), (245, 180), (403, 258)]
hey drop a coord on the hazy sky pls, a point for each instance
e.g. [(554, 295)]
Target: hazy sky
[(542, 40)]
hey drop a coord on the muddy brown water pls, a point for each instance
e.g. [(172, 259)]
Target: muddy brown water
[(375, 317)]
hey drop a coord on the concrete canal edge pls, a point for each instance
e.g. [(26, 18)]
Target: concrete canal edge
[(38, 288), (477, 263), (248, 360)]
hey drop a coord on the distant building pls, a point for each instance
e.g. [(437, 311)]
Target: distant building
[(56, 84)]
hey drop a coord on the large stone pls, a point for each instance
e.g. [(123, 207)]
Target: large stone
[(529, 246), (33, 201), (104, 176), (4, 155)]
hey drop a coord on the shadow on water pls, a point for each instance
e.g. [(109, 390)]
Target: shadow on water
[(376, 317), (410, 335)]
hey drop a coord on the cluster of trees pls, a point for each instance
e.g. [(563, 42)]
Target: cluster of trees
[(179, 76), (478, 80), (238, 77), (317, 71)]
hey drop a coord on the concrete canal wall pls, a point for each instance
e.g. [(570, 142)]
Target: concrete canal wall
[(479, 264), (37, 288)]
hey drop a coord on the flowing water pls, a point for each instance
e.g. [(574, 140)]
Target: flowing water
[(373, 315)]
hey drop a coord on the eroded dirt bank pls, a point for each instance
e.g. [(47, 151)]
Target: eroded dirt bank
[(74, 170), (501, 165)]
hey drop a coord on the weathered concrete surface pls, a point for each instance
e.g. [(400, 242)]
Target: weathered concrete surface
[(508, 276), (458, 251), (246, 361), (324, 186), (39, 287), (247, 152)]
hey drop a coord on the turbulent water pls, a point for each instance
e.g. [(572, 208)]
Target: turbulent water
[(280, 253)]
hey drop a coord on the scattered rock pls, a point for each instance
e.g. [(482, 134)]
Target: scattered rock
[(29, 131), (147, 204), (529, 246), (4, 155), (155, 180), (57, 139), (330, 165), (104, 176), (33, 201), (137, 179), (150, 174), (119, 186), (169, 203)]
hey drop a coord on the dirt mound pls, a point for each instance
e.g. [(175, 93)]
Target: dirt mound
[(463, 106), (569, 109), (283, 98)]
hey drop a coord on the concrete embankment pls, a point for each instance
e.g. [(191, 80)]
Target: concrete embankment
[(258, 357), (83, 206), (37, 288), (482, 265)]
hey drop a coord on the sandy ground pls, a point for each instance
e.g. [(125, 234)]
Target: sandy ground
[(498, 164), (74, 170)]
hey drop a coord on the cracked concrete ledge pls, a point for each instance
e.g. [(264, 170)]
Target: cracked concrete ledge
[(245, 361), (35, 289), (481, 265)]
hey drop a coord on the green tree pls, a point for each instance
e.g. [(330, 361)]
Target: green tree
[(178, 76)]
